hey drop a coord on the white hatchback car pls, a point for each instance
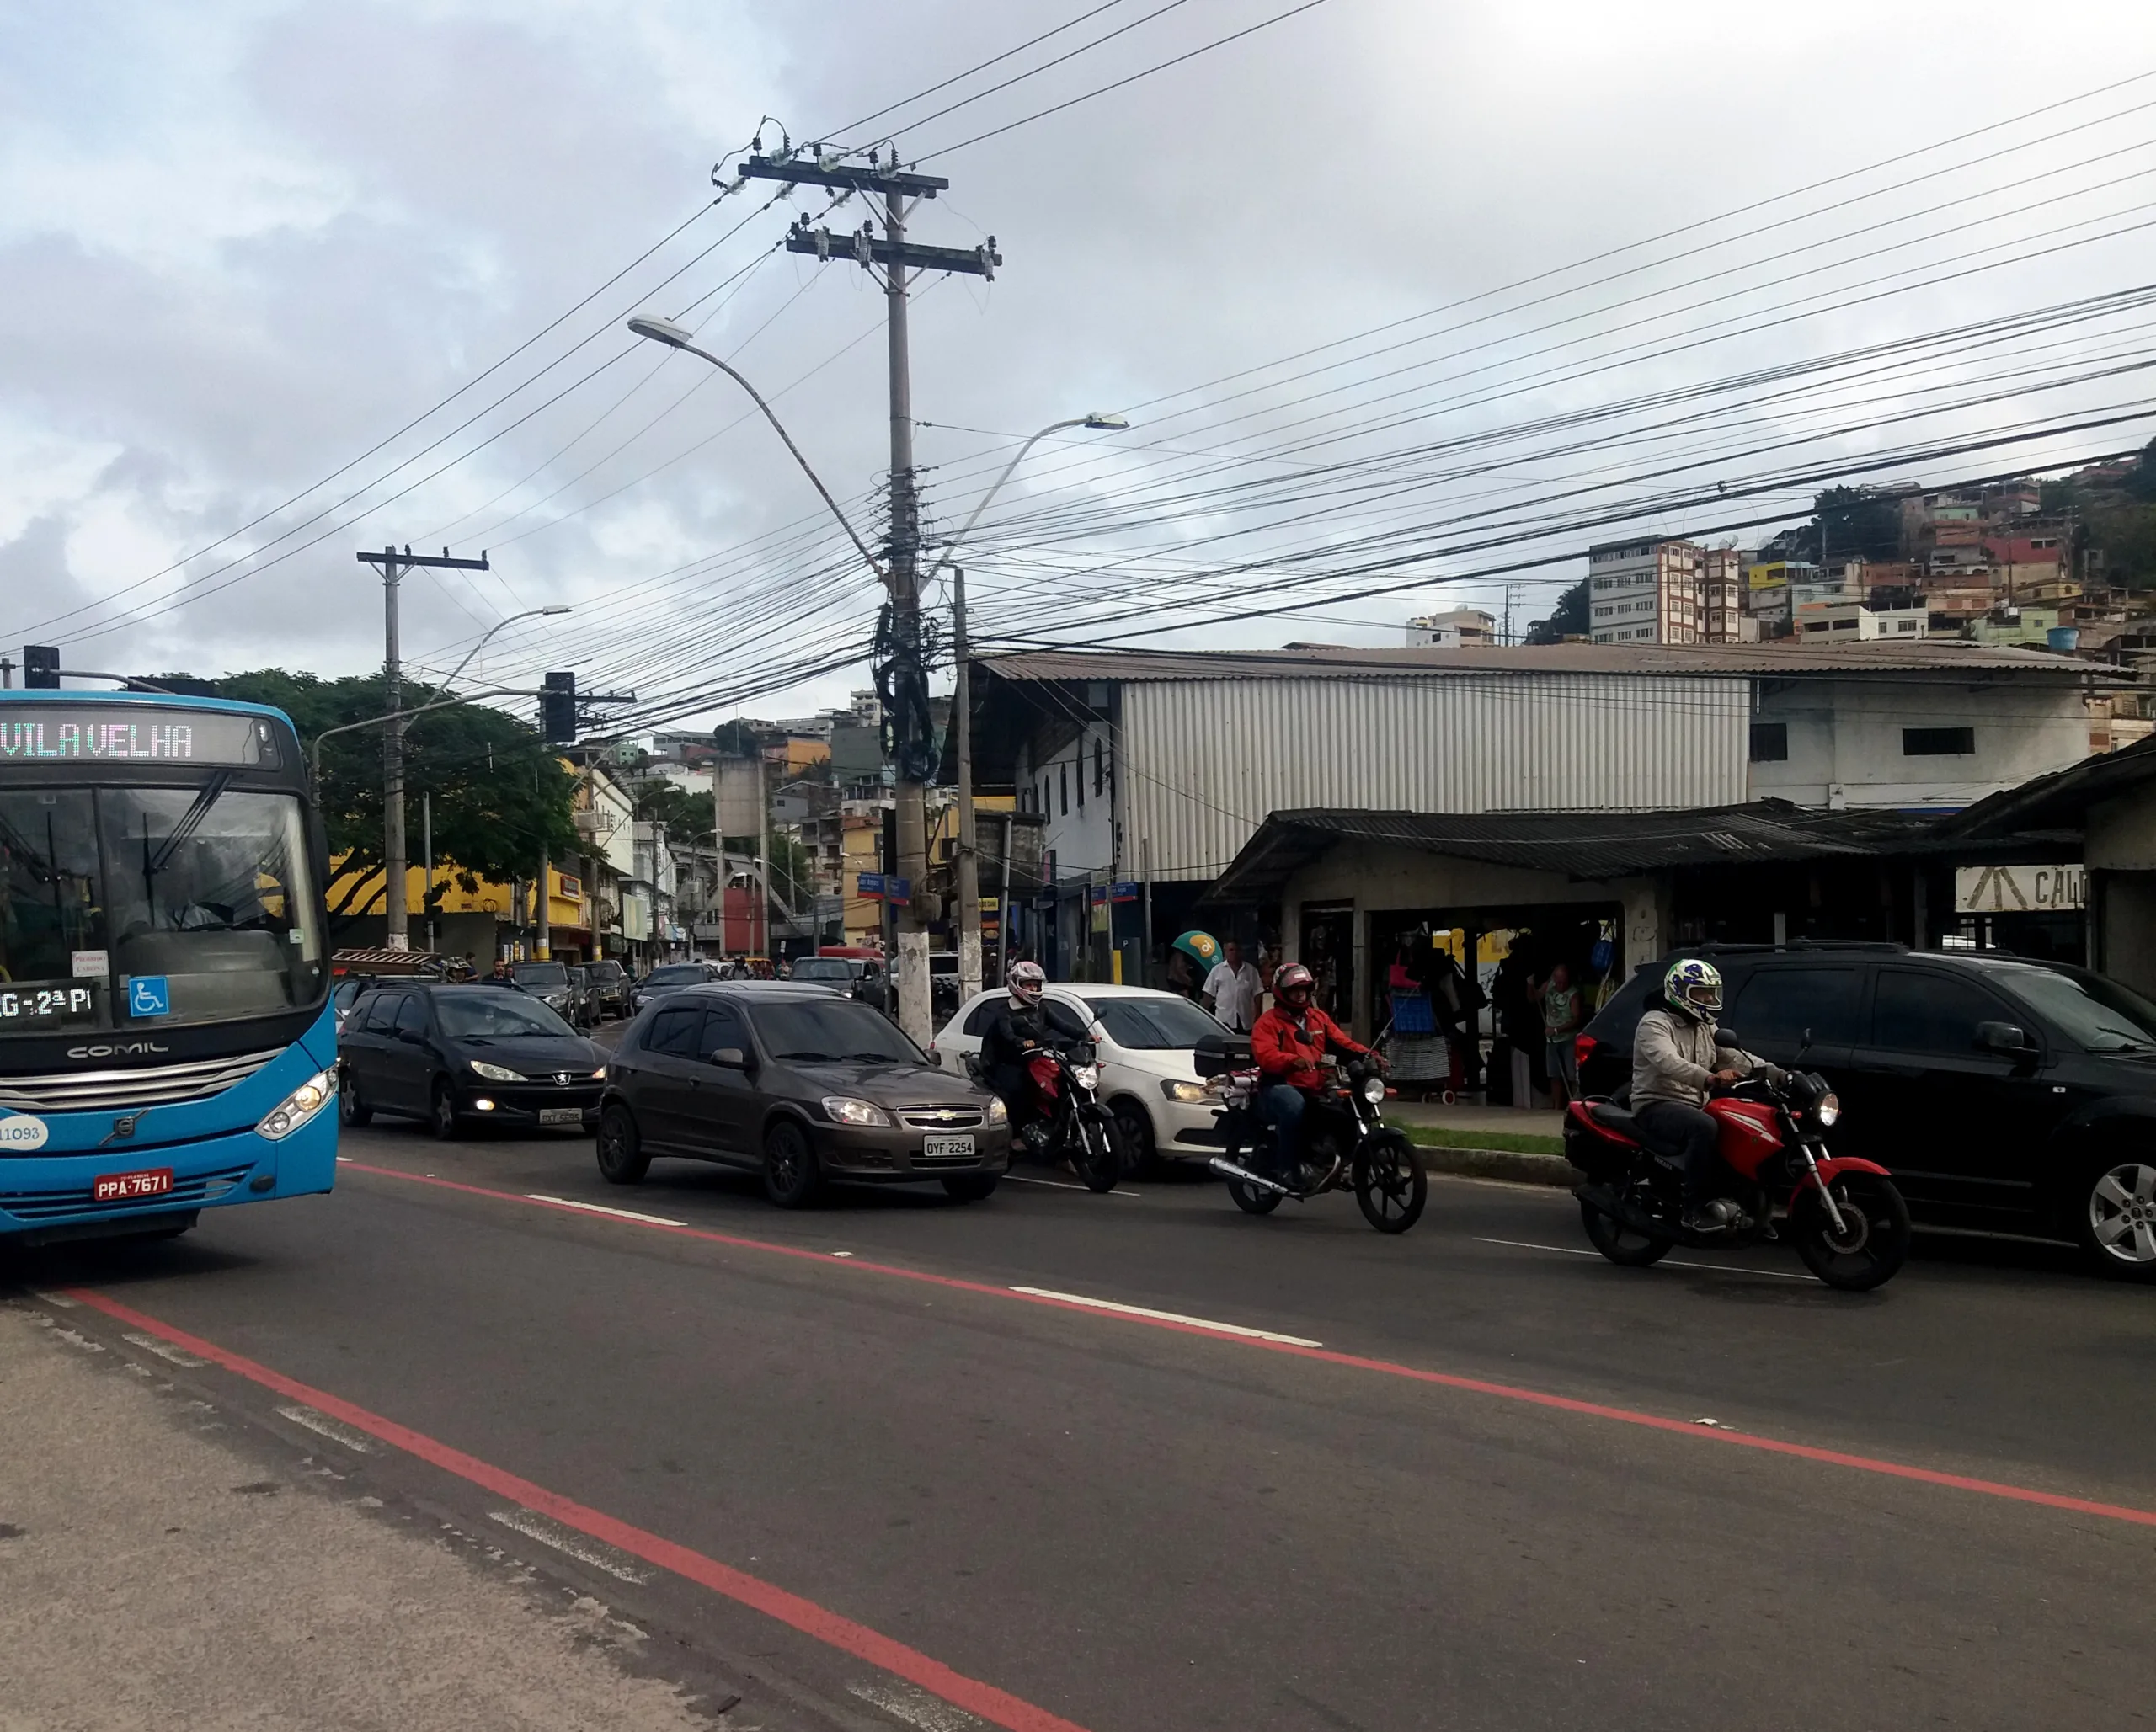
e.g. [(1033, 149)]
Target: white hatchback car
[(1144, 1040)]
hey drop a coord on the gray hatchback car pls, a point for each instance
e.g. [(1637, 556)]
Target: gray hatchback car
[(799, 1085)]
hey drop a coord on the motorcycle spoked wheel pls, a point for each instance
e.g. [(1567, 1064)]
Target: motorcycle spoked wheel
[(1097, 1152), (1873, 1242), (1250, 1200), (1626, 1247), (1390, 1183)]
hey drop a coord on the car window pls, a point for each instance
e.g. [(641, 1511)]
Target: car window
[(411, 1015), (540, 973), (469, 1014), (1153, 1024), (978, 1018), (2088, 1010), (807, 1028), (678, 974), (1776, 1005), (1919, 1011), (366, 1008), (1067, 1020), (674, 1030), (723, 1027)]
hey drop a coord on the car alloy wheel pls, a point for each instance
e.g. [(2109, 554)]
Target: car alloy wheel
[(2123, 1217), (791, 1175)]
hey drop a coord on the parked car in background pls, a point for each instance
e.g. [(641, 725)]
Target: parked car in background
[(610, 987), (785, 1080), (838, 973), (546, 981), (1146, 1042), (666, 977), (859, 974), (461, 1055), (2004, 1094), (583, 1005)]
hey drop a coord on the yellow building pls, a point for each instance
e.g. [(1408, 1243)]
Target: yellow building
[(568, 908)]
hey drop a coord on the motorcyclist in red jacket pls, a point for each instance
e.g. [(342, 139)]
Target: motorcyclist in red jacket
[(1289, 1042)]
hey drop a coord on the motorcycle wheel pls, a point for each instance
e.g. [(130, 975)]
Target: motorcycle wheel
[(1098, 1156), (1250, 1200), (1874, 1244), (1625, 1246), (1390, 1185)]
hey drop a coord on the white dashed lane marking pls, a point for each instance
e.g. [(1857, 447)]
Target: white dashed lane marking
[(1151, 1316)]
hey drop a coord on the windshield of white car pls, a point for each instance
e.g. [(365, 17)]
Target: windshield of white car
[(1150, 1024), (496, 1015)]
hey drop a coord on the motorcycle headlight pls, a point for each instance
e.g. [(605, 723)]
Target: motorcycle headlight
[(496, 1072), (846, 1110), (998, 1113), (1828, 1110), (1087, 1076), (1374, 1089), (296, 1108), (1184, 1092)]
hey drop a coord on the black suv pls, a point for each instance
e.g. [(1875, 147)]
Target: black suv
[(2004, 1095)]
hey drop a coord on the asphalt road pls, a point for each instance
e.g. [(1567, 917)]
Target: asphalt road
[(779, 1441)]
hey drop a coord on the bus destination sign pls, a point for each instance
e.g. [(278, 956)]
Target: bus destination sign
[(38, 1004), (76, 733)]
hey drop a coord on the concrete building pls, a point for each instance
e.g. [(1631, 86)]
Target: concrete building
[(1853, 622), (1462, 628), (1154, 770)]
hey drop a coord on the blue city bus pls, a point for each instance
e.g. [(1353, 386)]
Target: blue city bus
[(166, 1041)]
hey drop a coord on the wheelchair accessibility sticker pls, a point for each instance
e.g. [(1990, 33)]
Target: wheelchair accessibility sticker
[(147, 995)]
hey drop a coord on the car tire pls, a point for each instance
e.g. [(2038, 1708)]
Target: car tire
[(352, 1110), (2114, 1215), (1139, 1153), (619, 1148), (971, 1187), (791, 1176), (441, 1114)]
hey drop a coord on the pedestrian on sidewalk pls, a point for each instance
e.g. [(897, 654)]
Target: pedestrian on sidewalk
[(1562, 1015), (1232, 989)]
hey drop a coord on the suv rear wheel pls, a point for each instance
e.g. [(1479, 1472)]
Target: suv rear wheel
[(2114, 1216)]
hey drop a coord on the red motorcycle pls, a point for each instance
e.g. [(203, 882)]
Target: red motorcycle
[(1844, 1215)]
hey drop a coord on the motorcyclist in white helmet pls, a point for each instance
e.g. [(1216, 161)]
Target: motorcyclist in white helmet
[(1678, 1056), (1019, 1029)]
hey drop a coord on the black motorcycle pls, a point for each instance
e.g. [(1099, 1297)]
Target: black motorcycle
[(1343, 1142), (1067, 1121)]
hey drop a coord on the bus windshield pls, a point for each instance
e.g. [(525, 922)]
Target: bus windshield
[(134, 907)]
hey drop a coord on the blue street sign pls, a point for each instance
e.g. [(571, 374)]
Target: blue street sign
[(872, 883), (898, 890), (148, 995), (1123, 890)]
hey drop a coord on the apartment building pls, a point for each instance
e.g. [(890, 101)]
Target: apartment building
[(1461, 628), (1664, 589)]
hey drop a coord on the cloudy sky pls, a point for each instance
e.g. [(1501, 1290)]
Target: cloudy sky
[(1392, 291)]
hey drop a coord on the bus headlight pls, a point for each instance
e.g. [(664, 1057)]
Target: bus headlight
[(296, 1108)]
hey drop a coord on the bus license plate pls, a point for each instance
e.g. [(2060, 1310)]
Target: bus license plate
[(947, 1148), (119, 1187), (561, 1116)]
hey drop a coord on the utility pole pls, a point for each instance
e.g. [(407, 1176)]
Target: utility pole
[(902, 672), (968, 859), (427, 841), (394, 565)]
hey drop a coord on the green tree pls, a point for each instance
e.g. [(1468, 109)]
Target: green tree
[(1857, 521), (2142, 483), (1569, 620)]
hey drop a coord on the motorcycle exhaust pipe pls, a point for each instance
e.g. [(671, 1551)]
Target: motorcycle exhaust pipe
[(1228, 1169)]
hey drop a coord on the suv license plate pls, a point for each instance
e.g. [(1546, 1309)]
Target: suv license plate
[(119, 1187), (561, 1116), (947, 1148)]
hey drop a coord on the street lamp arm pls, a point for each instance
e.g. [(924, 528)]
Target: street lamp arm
[(314, 748), (1103, 423)]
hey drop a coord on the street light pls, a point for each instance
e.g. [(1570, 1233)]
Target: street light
[(677, 336), (314, 751), (968, 860)]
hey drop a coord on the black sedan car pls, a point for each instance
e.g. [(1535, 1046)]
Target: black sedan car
[(549, 982), (798, 1085), (457, 1056), (667, 978), (2004, 1095)]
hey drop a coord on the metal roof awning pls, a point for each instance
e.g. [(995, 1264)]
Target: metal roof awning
[(2061, 799)]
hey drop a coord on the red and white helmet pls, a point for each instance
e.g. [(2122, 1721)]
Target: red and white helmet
[(1292, 981), (1027, 982)]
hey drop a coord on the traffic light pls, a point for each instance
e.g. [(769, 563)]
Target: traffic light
[(40, 667), (558, 709)]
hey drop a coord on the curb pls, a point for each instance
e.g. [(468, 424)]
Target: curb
[(1512, 1165)]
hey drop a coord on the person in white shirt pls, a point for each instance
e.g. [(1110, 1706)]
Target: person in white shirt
[(1232, 989)]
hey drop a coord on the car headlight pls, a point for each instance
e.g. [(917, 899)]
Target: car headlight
[(496, 1072), (296, 1108), (1185, 1092), (998, 1113), (848, 1111), (1374, 1089), (1087, 1076), (1829, 1108), (600, 1074)]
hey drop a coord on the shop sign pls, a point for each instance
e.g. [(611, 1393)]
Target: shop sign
[(2019, 889)]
